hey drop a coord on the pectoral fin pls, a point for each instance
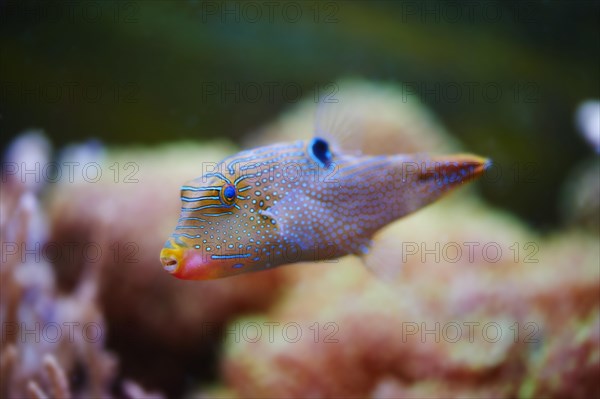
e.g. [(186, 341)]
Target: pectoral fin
[(291, 226), (286, 221)]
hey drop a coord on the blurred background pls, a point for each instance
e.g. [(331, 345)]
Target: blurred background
[(147, 90), (504, 77)]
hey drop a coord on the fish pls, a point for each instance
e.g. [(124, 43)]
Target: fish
[(307, 200)]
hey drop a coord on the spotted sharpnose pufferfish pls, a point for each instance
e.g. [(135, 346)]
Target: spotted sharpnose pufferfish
[(300, 201)]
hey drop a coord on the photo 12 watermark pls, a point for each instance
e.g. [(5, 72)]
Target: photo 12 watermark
[(269, 12), (471, 92), (468, 12), (51, 332), (469, 252), (70, 172), (277, 174), (471, 331), (273, 331), (71, 12), (69, 252), (70, 92), (267, 92)]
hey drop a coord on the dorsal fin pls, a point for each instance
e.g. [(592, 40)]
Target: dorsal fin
[(339, 121)]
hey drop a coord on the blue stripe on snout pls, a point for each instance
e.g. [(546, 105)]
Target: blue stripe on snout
[(230, 256)]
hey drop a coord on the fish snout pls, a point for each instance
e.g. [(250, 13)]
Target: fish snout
[(169, 262), (171, 256), (187, 263)]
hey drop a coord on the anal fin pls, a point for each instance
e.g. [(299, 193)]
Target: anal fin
[(382, 258)]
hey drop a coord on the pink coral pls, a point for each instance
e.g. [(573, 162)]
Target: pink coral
[(475, 327)]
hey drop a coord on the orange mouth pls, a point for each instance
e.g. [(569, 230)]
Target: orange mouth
[(171, 256), (186, 264)]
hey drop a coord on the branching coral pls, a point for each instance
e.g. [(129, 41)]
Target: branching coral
[(40, 328)]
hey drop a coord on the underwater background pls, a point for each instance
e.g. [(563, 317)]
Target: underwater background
[(107, 108)]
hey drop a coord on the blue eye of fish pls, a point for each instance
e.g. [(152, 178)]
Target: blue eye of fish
[(319, 150), (228, 194)]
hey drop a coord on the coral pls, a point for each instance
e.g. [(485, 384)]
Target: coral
[(580, 205), (466, 328), (473, 304), (43, 333)]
